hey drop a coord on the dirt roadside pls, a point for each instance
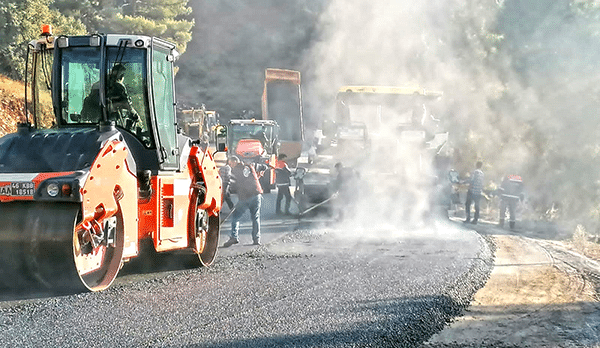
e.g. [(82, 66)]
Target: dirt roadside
[(540, 293)]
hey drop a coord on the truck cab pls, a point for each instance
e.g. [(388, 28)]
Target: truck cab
[(253, 141)]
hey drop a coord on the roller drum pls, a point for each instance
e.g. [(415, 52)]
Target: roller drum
[(37, 245), (38, 249)]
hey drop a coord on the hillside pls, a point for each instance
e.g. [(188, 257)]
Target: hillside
[(11, 104)]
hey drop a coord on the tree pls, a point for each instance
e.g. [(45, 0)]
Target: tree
[(20, 22), (167, 19)]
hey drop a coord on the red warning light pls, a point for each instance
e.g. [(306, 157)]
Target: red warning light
[(46, 30)]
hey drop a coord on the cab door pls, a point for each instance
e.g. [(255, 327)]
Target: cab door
[(174, 186), (163, 92)]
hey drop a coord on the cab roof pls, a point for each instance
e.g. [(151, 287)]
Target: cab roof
[(389, 90)]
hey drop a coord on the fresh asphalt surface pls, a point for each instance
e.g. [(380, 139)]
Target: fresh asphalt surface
[(309, 285)]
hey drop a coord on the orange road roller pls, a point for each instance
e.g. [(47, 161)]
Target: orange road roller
[(98, 165)]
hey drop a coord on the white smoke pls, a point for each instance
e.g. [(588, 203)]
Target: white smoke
[(405, 43), (500, 104)]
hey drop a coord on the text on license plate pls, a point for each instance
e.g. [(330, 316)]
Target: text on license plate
[(26, 188)]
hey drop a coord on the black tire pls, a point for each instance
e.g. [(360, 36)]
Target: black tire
[(205, 234)]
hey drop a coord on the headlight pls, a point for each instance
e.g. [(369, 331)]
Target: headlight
[(52, 189)]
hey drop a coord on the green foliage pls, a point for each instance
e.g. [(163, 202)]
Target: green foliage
[(167, 19), (160, 10), (20, 22), (177, 31), (90, 12)]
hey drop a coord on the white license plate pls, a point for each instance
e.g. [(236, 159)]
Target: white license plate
[(26, 188)]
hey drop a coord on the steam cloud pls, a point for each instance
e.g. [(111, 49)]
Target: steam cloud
[(519, 77), (519, 81)]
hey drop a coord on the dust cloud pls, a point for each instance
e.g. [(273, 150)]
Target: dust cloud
[(520, 94)]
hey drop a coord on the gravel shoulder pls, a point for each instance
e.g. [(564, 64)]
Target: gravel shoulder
[(540, 293)]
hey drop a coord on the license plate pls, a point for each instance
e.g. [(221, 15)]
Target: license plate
[(26, 188)]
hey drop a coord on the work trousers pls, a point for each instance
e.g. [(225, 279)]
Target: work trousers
[(511, 205), (472, 198), (251, 204), (283, 191)]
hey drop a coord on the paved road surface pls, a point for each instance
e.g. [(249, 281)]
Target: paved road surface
[(324, 286)]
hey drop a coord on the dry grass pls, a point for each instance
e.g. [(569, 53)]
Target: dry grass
[(583, 243), (12, 88), (12, 105)]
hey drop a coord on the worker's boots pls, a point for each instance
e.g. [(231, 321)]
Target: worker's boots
[(230, 242)]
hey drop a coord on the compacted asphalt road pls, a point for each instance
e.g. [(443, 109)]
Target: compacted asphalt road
[(308, 285)]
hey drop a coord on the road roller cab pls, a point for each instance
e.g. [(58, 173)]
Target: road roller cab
[(83, 184)]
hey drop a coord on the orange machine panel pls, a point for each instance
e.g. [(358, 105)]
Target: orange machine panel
[(109, 187), (203, 169), (173, 205)]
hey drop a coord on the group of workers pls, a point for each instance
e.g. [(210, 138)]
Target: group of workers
[(243, 179), (510, 193)]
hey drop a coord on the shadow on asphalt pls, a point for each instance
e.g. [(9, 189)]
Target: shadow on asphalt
[(147, 262), (407, 322)]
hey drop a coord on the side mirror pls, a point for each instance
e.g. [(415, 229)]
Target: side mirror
[(221, 138)]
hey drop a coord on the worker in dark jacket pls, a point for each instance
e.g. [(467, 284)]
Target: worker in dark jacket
[(346, 186), (121, 108), (119, 99), (283, 181), (474, 193), (511, 192), (249, 192)]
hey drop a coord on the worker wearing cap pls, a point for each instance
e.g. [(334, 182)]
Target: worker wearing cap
[(246, 185), (119, 98)]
